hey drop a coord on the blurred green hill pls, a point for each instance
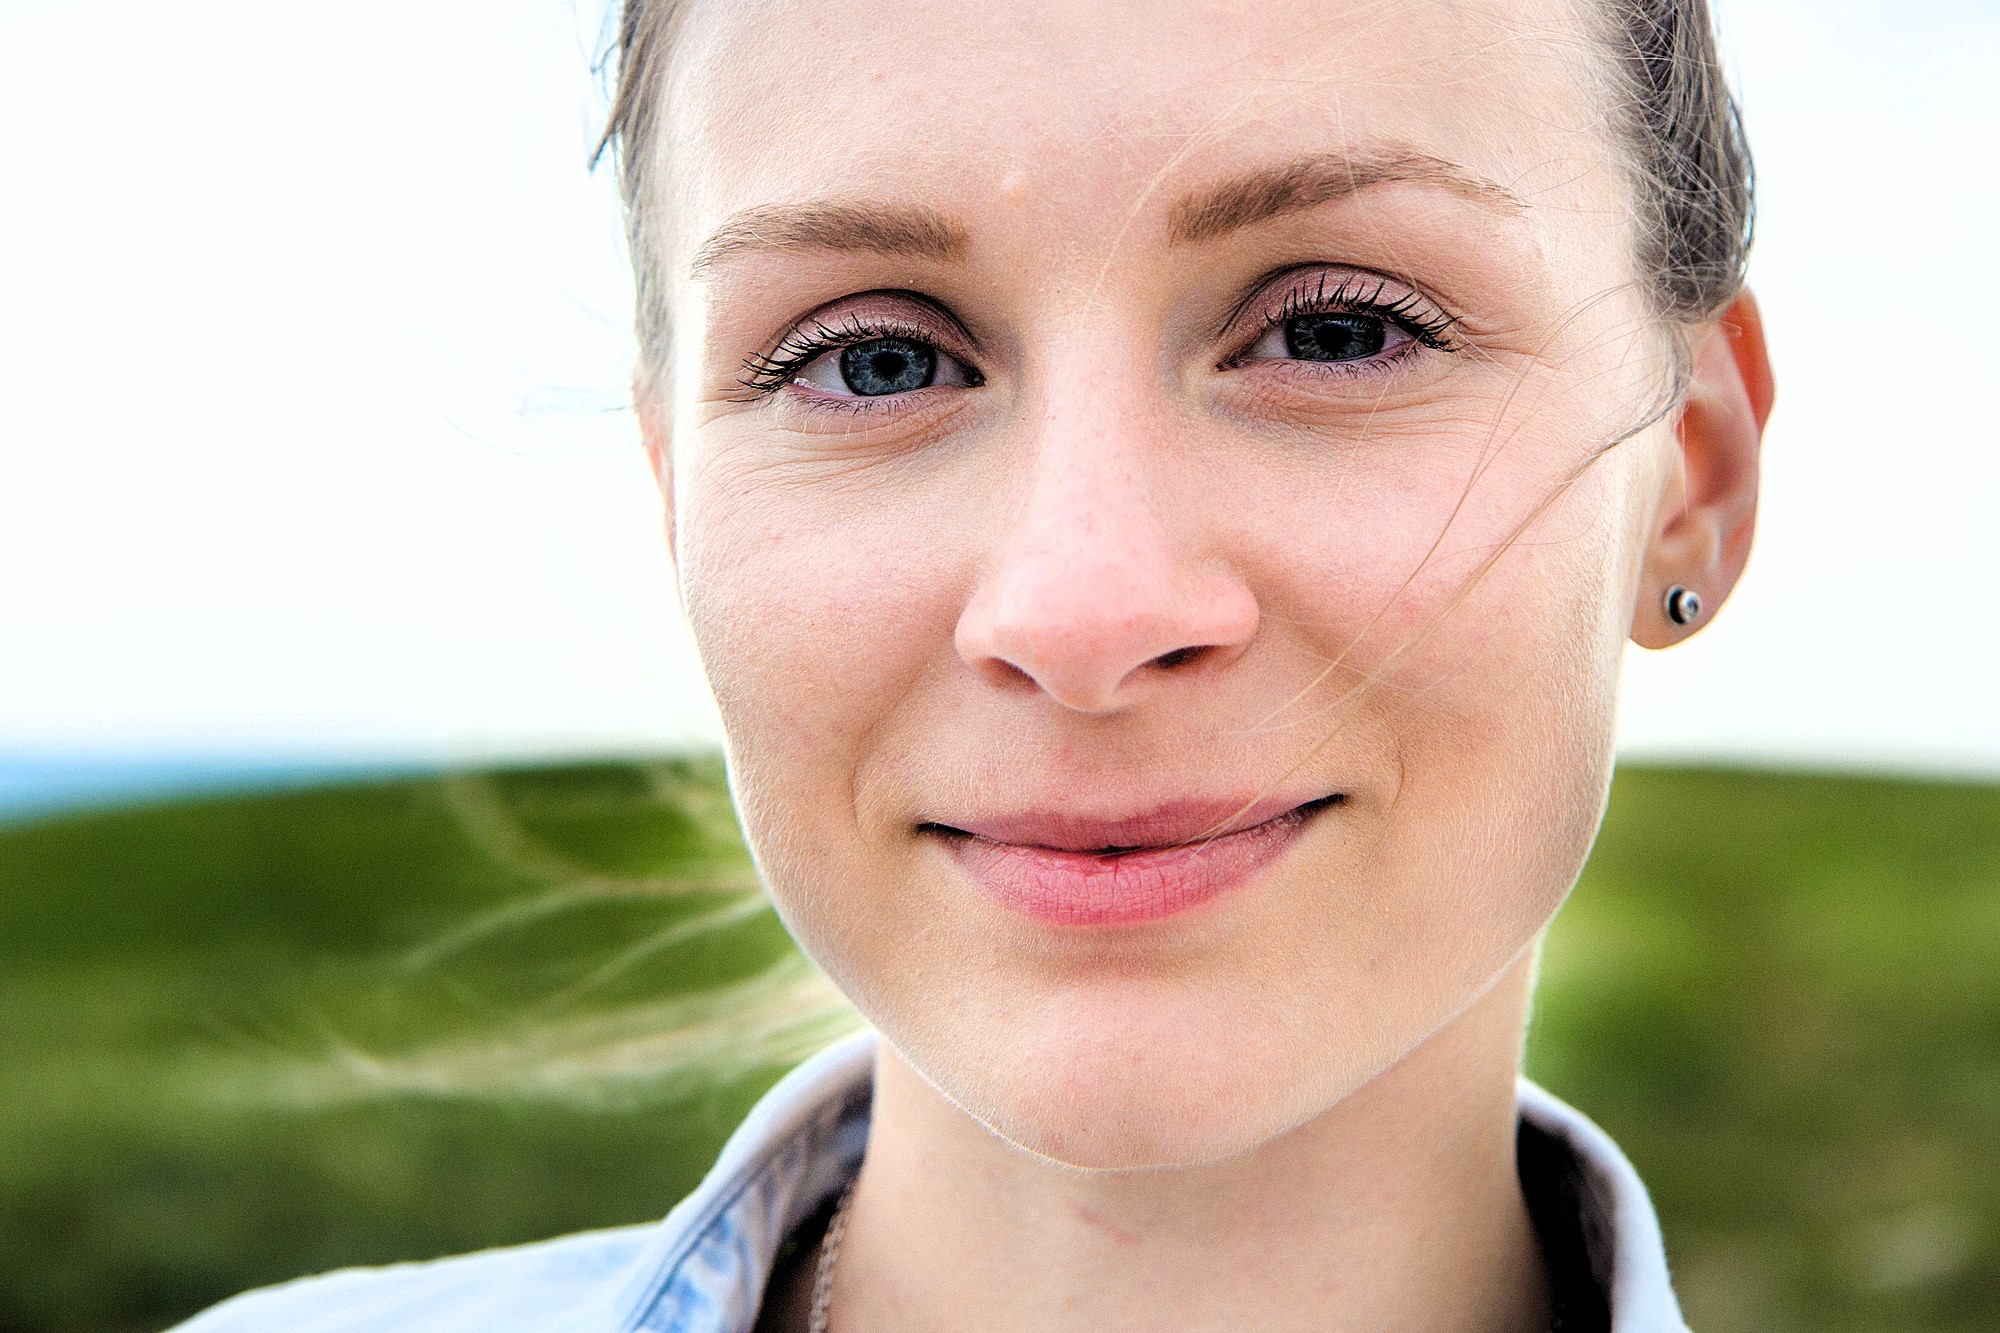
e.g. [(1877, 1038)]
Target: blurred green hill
[(249, 1038)]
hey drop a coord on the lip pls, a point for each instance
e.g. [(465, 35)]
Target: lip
[(1082, 871)]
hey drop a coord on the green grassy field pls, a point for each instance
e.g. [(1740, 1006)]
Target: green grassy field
[(250, 1038)]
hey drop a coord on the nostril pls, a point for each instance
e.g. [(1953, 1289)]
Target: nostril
[(1178, 657), (999, 671)]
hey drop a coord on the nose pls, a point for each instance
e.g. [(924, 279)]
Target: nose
[(1101, 586)]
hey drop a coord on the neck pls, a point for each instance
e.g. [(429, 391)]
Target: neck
[(1400, 1207)]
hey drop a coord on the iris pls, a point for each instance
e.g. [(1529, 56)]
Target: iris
[(887, 365), (1334, 336)]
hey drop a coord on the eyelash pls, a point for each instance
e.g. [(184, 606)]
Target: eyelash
[(1352, 294), (765, 373)]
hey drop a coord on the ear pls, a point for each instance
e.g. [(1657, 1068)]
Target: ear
[(648, 406), (1707, 510)]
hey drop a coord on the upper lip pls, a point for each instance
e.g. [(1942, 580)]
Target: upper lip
[(1171, 824)]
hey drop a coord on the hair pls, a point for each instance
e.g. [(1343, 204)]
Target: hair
[(1684, 130), (645, 40), (1678, 120)]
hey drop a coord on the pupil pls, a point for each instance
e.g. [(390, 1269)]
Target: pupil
[(887, 365), (1334, 337)]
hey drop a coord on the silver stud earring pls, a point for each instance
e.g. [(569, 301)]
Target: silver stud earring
[(1683, 605)]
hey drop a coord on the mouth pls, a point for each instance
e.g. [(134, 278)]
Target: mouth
[(1079, 871)]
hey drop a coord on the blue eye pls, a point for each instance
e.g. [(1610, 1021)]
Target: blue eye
[(878, 367), (1350, 322), (1329, 337), (1335, 336), (866, 352), (887, 365)]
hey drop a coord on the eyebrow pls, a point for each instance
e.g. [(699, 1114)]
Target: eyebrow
[(1242, 201), (1268, 192), (887, 229)]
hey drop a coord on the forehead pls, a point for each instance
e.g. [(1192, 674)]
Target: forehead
[(1076, 110)]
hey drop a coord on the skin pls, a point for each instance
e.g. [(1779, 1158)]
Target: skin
[(1139, 554)]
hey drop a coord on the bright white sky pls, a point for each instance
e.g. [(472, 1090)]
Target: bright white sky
[(313, 341)]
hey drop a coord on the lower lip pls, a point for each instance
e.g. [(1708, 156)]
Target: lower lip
[(1089, 889)]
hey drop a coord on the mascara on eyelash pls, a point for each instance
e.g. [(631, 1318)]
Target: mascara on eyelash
[(1432, 329), (767, 372), (801, 345)]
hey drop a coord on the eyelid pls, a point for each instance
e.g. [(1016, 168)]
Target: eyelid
[(848, 320)]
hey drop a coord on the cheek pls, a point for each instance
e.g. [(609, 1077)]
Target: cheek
[(1505, 705), (1475, 608), (818, 610)]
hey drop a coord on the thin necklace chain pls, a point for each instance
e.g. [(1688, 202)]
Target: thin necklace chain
[(829, 1254)]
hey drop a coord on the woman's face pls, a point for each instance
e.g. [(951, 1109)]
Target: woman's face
[(1136, 486)]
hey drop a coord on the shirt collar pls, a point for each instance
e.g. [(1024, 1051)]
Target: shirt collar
[(705, 1267)]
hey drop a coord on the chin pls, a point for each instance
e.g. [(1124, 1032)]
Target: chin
[(1146, 1089)]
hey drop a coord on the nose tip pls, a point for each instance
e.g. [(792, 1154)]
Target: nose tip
[(1092, 640)]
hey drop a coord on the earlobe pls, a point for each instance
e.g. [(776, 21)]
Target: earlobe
[(1707, 510), (650, 409)]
